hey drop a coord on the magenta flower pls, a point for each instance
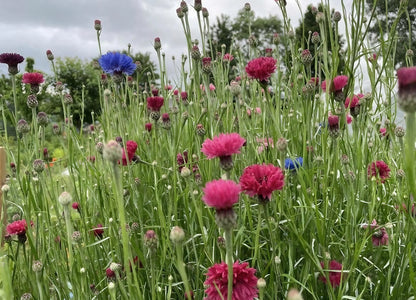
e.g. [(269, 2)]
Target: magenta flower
[(244, 282), (354, 102), (223, 146), (378, 169), (261, 68), (261, 181), (221, 194), (407, 88), (17, 228), (337, 84)]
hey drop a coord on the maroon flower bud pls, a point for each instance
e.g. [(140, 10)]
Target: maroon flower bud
[(97, 25)]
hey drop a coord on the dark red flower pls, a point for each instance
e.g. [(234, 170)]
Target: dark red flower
[(98, 231), (155, 103), (12, 60), (335, 273), (111, 275), (75, 205), (261, 68), (244, 282), (131, 147), (148, 126), (17, 227), (261, 180), (378, 169)]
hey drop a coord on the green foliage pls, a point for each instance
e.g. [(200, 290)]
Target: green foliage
[(81, 79), (385, 16), (235, 33)]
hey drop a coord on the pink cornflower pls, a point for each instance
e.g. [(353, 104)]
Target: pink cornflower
[(33, 78), (244, 282), (378, 169), (223, 146), (17, 228), (261, 181), (228, 57), (383, 132), (261, 68), (221, 194), (211, 87), (264, 144), (335, 273), (354, 102), (336, 85), (155, 103), (226, 144)]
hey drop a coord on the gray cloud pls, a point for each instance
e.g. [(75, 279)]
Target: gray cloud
[(67, 27)]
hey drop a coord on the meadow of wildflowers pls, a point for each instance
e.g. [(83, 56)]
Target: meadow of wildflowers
[(274, 183)]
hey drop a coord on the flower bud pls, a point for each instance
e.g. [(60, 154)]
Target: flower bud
[(177, 235), (65, 198)]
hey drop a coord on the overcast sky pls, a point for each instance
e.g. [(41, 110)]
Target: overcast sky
[(30, 27)]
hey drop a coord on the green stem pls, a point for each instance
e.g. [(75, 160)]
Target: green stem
[(181, 269), (35, 130), (229, 260), (122, 219), (13, 77), (410, 151), (256, 241), (68, 224), (39, 284)]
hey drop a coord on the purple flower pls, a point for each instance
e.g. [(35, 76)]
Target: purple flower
[(117, 63)]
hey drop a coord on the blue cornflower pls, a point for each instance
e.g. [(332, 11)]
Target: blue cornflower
[(293, 164), (117, 63)]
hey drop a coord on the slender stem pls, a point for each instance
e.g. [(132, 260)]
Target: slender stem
[(122, 219), (35, 130), (181, 269), (410, 151), (39, 284), (256, 242), (13, 77), (68, 224), (5, 126), (229, 260)]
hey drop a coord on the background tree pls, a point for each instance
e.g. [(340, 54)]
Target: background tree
[(385, 14), (308, 26)]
